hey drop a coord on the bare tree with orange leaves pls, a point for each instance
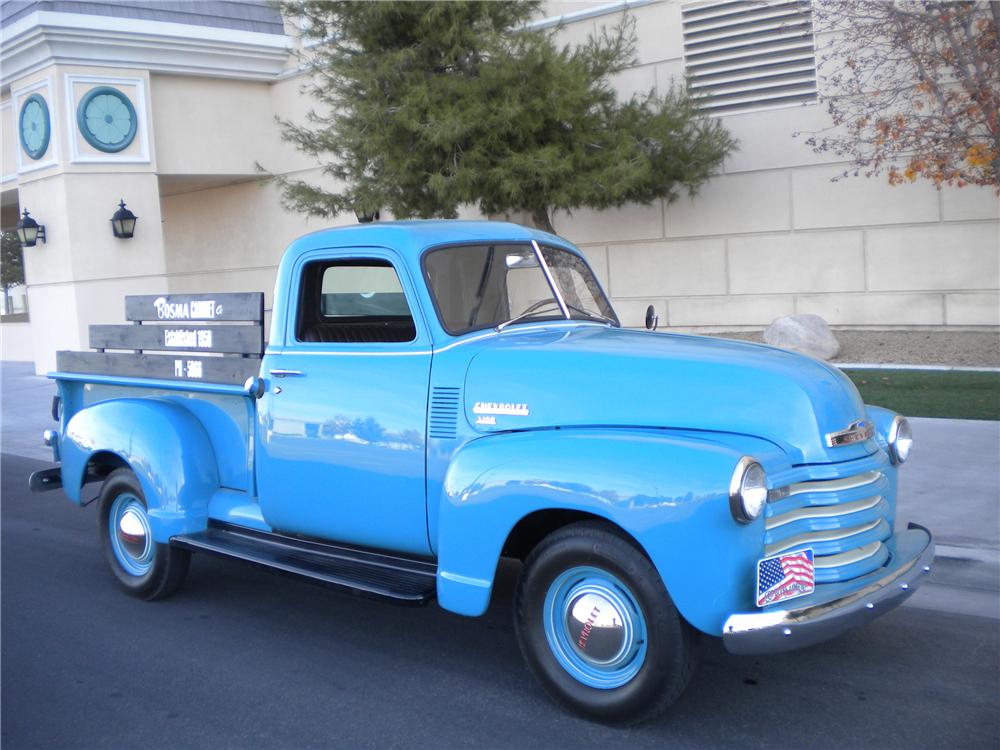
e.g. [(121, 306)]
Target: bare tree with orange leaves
[(913, 89)]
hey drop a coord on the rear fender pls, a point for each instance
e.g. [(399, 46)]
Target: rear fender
[(166, 447), (669, 492)]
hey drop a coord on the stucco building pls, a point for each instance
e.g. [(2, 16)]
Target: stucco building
[(170, 106)]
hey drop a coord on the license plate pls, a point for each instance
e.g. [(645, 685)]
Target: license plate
[(785, 577)]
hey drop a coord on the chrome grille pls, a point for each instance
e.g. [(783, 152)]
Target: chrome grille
[(843, 519)]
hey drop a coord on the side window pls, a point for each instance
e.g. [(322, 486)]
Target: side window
[(358, 301)]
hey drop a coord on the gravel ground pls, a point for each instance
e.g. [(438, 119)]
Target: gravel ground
[(964, 348)]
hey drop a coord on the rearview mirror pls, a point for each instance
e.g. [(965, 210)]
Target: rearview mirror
[(652, 319), (517, 260)]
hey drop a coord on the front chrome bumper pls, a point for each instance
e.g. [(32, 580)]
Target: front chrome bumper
[(772, 631)]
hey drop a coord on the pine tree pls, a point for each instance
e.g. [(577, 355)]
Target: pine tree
[(427, 106)]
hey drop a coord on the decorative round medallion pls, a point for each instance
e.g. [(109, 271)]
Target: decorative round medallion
[(34, 126), (107, 119)]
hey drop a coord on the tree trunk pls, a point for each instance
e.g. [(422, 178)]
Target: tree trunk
[(540, 217)]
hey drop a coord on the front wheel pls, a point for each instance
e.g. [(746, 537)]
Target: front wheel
[(598, 629), (144, 568)]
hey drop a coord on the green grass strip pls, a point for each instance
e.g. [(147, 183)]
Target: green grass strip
[(931, 393)]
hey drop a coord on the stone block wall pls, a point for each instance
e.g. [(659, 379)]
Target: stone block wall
[(774, 233)]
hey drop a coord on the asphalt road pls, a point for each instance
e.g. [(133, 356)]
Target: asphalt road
[(243, 658)]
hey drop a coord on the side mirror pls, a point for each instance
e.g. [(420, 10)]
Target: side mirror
[(652, 319)]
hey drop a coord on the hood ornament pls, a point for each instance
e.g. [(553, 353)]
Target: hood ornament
[(856, 432)]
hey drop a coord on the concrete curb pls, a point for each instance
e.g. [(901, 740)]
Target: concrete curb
[(935, 368)]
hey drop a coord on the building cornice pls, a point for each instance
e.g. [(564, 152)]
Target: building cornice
[(45, 38)]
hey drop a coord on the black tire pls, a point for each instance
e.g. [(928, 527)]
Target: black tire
[(160, 570), (670, 643)]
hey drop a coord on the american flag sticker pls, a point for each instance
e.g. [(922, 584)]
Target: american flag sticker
[(785, 577)]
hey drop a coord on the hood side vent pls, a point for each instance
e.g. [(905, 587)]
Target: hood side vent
[(445, 404)]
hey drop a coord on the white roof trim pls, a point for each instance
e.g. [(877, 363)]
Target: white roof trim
[(583, 15), (43, 38)]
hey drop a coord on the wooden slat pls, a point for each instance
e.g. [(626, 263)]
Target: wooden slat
[(169, 308), (226, 370), (180, 337)]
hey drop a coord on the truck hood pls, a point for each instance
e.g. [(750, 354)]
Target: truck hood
[(598, 376)]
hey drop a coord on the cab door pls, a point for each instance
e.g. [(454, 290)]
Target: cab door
[(342, 424)]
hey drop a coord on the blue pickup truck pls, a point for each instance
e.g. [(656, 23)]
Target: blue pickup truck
[(436, 395)]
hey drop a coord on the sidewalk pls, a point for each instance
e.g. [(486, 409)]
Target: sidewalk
[(951, 485), (25, 410)]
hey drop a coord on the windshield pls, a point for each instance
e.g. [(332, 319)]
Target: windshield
[(485, 286)]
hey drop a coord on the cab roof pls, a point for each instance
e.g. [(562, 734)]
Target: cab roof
[(405, 239), (412, 237)]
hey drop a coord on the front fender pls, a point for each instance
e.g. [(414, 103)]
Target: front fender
[(166, 447), (669, 492)]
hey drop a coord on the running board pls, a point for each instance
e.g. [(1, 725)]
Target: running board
[(398, 579)]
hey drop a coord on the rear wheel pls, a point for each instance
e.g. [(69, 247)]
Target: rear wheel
[(598, 629), (144, 568)]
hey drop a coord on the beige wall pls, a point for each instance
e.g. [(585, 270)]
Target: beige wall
[(211, 126), (231, 238), (773, 234), (16, 343), (228, 237), (81, 273)]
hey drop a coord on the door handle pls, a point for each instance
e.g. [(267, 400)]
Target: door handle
[(286, 373)]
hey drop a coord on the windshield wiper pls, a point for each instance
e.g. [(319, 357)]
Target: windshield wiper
[(536, 308), (593, 315), (533, 309)]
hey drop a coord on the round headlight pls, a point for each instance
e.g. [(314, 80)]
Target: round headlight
[(747, 490), (900, 440)]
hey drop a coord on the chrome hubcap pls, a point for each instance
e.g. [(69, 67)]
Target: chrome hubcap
[(131, 538), (596, 627), (132, 533)]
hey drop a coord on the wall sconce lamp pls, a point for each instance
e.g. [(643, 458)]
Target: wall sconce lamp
[(29, 231), (123, 222)]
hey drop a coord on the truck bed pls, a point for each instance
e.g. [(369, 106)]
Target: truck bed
[(226, 412), (204, 348)]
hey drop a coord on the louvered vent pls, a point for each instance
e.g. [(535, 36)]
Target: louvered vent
[(445, 403), (742, 55)]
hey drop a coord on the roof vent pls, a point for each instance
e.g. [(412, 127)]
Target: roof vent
[(742, 55)]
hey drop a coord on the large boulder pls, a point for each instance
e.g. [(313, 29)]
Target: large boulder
[(806, 334)]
